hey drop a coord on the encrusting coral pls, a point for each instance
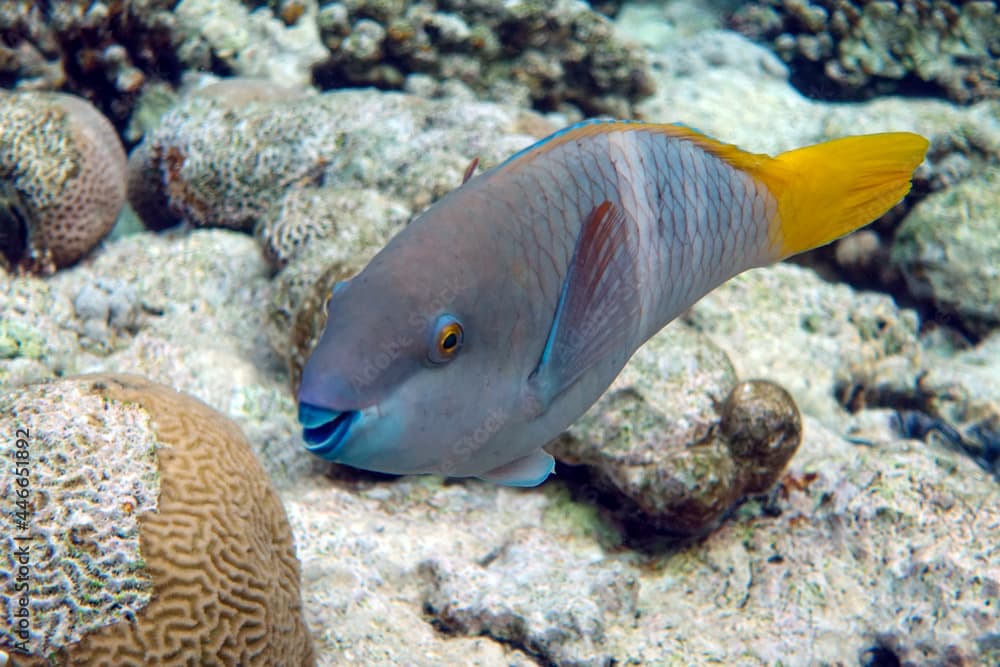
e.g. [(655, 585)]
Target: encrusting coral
[(62, 180), (159, 538)]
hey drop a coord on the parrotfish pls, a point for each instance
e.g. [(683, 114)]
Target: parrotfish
[(500, 314)]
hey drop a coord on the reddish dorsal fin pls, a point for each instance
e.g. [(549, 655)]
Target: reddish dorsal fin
[(470, 170)]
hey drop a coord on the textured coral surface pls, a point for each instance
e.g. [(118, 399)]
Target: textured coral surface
[(218, 549), (863, 47), (104, 50), (543, 53), (62, 179), (86, 493)]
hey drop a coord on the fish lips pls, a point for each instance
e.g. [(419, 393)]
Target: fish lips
[(325, 430)]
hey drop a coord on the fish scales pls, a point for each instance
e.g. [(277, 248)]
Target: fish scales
[(512, 303)]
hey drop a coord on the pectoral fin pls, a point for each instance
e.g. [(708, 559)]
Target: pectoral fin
[(530, 470), (597, 306)]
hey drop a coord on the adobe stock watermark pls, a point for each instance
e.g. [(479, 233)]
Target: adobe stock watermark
[(20, 537), (466, 447)]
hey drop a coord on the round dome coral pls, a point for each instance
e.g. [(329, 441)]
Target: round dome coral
[(62, 180), (157, 537)]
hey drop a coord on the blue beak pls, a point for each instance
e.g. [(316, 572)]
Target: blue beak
[(325, 430)]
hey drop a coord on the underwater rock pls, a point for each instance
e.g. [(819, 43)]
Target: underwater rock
[(555, 52), (962, 389), (62, 180), (947, 249), (890, 543), (103, 51), (762, 429), (859, 48), (354, 220), (149, 504), (531, 594), (107, 309), (676, 441), (226, 37), (832, 348), (871, 546)]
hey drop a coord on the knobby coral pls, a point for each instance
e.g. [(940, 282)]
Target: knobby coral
[(851, 48)]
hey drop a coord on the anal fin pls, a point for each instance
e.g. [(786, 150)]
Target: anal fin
[(530, 470)]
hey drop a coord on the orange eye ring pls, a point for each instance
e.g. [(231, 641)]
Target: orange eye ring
[(447, 340)]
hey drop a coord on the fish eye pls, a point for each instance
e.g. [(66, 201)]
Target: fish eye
[(447, 337)]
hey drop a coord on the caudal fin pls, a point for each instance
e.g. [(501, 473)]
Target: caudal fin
[(828, 190)]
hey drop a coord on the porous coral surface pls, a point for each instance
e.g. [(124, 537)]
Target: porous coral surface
[(62, 179)]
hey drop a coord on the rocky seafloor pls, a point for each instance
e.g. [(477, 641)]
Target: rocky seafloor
[(661, 540)]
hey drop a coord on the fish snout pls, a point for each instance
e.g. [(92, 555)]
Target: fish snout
[(326, 430)]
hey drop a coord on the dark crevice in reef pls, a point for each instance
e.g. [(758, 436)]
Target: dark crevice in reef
[(522, 643), (880, 656), (14, 225)]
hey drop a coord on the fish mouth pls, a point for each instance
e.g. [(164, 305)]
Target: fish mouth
[(325, 430)]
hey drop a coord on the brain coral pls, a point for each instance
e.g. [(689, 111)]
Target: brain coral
[(157, 538), (62, 179), (851, 48)]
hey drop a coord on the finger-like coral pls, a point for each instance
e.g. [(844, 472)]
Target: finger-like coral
[(62, 180), (157, 537), (102, 50), (548, 52), (863, 47)]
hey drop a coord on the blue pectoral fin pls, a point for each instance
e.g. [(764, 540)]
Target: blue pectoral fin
[(530, 470), (597, 306)]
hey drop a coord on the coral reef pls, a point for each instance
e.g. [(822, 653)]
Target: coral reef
[(186, 309), (62, 180), (104, 51), (282, 165), (500, 596), (549, 53), (226, 37), (853, 48), (141, 489)]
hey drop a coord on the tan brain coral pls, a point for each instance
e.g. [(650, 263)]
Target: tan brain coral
[(62, 179), (160, 539)]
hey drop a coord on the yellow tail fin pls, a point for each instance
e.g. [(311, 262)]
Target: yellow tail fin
[(828, 190)]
